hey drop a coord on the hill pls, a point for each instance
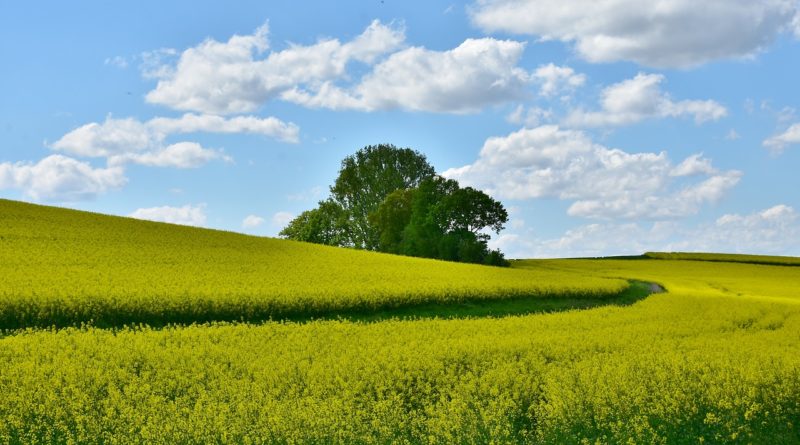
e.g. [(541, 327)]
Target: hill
[(65, 267)]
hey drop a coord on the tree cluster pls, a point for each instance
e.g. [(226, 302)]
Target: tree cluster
[(390, 200)]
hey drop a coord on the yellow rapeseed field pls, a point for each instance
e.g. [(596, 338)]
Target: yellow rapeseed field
[(62, 267), (715, 359)]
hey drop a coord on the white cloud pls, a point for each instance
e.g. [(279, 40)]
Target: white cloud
[(555, 79), (114, 136), (281, 219), (640, 98), (477, 73), (590, 240), (155, 64), (603, 183), (252, 221), (669, 33), (694, 165), (129, 140), (180, 155), (60, 178), (779, 142), (193, 123), (531, 117), (234, 77), (187, 215), (774, 231), (228, 77)]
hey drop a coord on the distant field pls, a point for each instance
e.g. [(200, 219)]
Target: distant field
[(726, 257), (62, 267), (715, 359)]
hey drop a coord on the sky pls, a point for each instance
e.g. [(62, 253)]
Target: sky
[(604, 127)]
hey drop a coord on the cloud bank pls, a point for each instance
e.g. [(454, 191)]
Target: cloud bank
[(634, 100), (60, 178), (601, 182), (664, 34)]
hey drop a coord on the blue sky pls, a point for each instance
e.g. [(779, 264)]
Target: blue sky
[(605, 127)]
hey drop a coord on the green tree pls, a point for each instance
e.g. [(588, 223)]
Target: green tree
[(391, 218), (470, 210), (367, 177), (390, 199), (327, 224), (439, 219), (423, 235)]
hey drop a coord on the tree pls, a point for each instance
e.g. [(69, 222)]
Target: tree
[(439, 219), (422, 235), (469, 210), (367, 177), (391, 200), (391, 218), (327, 224)]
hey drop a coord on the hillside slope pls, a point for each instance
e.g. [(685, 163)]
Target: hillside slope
[(65, 267)]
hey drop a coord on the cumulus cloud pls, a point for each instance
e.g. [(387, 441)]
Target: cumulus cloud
[(772, 231), (477, 73), (180, 155), (129, 140), (114, 136), (603, 183), (241, 75), (640, 98), (667, 34), (590, 240), (530, 117), (187, 215), (778, 143), (60, 178), (155, 64), (194, 123), (555, 79), (232, 77), (694, 165), (252, 221)]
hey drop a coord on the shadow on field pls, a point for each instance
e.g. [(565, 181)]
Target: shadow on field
[(637, 291), (466, 309)]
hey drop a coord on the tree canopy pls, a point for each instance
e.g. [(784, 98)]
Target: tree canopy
[(367, 177), (391, 200), (439, 219), (327, 224)]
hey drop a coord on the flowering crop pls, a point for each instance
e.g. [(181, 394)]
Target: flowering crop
[(62, 267), (725, 257), (716, 359)]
